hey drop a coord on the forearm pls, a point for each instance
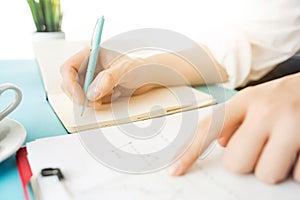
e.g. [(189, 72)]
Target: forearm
[(191, 73)]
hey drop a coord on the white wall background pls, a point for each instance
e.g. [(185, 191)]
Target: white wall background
[(186, 16)]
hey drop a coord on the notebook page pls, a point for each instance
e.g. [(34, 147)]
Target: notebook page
[(154, 103), (50, 55), (89, 179)]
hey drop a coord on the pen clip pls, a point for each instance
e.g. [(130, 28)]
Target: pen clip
[(50, 184), (52, 172)]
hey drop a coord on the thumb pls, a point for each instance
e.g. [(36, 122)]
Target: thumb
[(201, 142), (235, 111), (102, 85), (107, 79)]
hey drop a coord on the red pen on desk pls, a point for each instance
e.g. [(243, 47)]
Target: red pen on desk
[(24, 170)]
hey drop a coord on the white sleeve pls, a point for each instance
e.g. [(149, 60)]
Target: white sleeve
[(268, 34)]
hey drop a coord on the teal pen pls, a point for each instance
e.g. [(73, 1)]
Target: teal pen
[(92, 59)]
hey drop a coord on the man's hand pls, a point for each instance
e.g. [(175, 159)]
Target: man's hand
[(110, 69), (261, 131)]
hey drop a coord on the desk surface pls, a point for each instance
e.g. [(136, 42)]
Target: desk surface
[(38, 118)]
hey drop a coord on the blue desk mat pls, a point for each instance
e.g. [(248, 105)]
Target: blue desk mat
[(37, 116), (34, 113)]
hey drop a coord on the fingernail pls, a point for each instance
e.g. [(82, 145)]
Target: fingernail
[(174, 170)]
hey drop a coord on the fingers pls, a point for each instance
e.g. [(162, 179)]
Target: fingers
[(71, 87), (115, 95), (82, 71), (106, 80), (69, 71), (107, 57), (146, 88), (73, 64), (296, 172), (235, 112), (193, 152), (111, 97), (73, 73), (224, 121), (101, 86), (245, 146), (278, 155), (96, 105), (275, 162), (74, 91)]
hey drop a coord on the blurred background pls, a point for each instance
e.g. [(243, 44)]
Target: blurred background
[(79, 19)]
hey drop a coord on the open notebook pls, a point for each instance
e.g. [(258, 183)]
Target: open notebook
[(51, 54), (86, 178)]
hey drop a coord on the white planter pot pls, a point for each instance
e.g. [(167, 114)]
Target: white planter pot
[(39, 36)]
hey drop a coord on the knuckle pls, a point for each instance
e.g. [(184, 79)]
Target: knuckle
[(245, 93), (108, 76), (64, 67)]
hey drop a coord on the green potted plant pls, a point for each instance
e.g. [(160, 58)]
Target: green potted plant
[(47, 16)]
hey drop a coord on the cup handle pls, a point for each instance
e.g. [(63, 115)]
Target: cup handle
[(16, 101)]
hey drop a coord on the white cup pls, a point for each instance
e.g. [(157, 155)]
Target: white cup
[(16, 101)]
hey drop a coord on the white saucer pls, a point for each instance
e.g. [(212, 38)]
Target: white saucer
[(12, 136)]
